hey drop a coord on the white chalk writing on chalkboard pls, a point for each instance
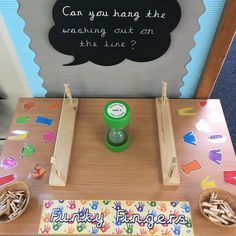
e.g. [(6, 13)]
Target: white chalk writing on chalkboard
[(106, 32)]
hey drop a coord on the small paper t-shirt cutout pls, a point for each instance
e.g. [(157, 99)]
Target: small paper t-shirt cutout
[(43, 120), (9, 162), (22, 120), (27, 150), (190, 138), (230, 177)]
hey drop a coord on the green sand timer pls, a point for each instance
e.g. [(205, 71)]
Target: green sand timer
[(116, 116)]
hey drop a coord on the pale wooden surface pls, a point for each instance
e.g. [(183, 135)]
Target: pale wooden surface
[(97, 173)]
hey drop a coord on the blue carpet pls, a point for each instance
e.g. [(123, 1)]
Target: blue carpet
[(225, 90)]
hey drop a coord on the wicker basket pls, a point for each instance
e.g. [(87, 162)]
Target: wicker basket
[(16, 186), (221, 195)]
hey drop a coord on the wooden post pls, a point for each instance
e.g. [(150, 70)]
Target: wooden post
[(62, 151), (170, 171)]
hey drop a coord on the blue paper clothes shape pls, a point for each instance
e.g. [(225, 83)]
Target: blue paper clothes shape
[(215, 156), (43, 120), (190, 138)]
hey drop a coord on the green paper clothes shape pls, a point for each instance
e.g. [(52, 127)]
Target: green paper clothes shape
[(27, 150), (22, 120)]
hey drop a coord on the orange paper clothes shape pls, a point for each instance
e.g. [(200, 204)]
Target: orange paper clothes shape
[(115, 217), (191, 166)]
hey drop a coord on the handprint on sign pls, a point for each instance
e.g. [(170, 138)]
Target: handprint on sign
[(82, 212), (56, 226), (189, 223), (105, 227), (129, 203), (81, 227), (129, 213), (166, 232), (94, 230), (48, 203), (140, 206), (46, 229), (106, 212), (153, 230), (177, 229), (175, 213), (129, 228), (119, 231), (152, 204), (71, 205), (153, 213), (83, 202), (94, 205), (165, 224), (70, 216), (70, 230), (106, 202), (162, 206), (185, 207), (46, 218), (117, 206), (143, 231), (141, 224), (117, 222)]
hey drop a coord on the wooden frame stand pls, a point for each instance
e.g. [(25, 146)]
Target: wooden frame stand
[(170, 171), (62, 151)]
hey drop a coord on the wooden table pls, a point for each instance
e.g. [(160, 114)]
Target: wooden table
[(135, 174)]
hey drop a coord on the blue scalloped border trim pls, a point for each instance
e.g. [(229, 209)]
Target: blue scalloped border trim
[(15, 26), (203, 38)]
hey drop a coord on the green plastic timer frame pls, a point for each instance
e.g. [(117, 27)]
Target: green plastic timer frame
[(116, 116)]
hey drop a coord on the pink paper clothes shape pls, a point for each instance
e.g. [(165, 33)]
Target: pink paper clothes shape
[(215, 156), (49, 136), (9, 162), (230, 177)]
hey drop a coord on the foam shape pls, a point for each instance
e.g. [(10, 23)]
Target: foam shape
[(43, 120), (205, 184), (9, 162), (187, 111), (230, 177), (215, 156), (7, 179), (217, 138), (27, 150), (49, 136), (191, 166), (203, 126), (20, 120), (28, 105), (190, 138)]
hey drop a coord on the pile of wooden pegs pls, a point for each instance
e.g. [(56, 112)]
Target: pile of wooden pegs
[(219, 211), (12, 203)]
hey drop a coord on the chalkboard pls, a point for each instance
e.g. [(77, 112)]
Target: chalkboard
[(106, 32)]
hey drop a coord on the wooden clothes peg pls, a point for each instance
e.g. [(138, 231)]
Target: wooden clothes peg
[(164, 92), (68, 92)]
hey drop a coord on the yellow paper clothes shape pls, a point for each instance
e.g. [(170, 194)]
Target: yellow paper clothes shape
[(19, 135), (115, 217), (187, 111), (205, 184)]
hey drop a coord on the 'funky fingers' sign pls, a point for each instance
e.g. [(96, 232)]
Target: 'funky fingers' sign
[(115, 217), (107, 32)]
